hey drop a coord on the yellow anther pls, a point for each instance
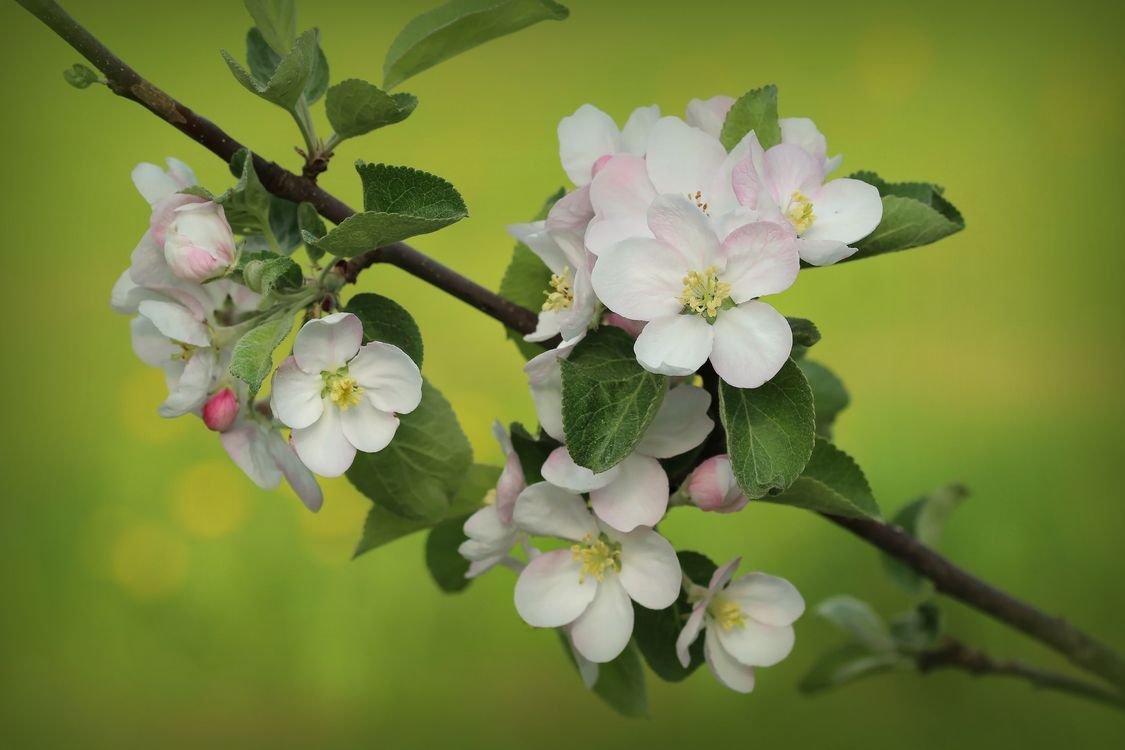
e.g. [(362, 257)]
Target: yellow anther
[(597, 556), (800, 213), (560, 296), (703, 293), (342, 389), (726, 613), (697, 199)]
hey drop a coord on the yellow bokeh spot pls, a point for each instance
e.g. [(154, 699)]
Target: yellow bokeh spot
[(140, 393), (912, 52), (148, 561), (210, 499)]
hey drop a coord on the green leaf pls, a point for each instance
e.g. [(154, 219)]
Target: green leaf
[(805, 332), (317, 84), (457, 26), (918, 629), (849, 663), (356, 107), (263, 61), (924, 519), (525, 281), (608, 399), (444, 562), (770, 431), (829, 395), (276, 22), (858, 620), (419, 473), (246, 204), (283, 223), (656, 631), (399, 202), (251, 360), (286, 86), (755, 110), (531, 451), (264, 272), (621, 682), (832, 483), (80, 76), (383, 526), (387, 321), (309, 222), (914, 214)]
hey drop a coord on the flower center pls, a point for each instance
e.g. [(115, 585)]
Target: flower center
[(699, 201), (559, 294), (726, 613), (703, 293), (341, 388), (800, 213), (597, 556), (186, 350)]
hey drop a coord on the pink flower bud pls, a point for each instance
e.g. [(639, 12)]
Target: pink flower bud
[(199, 244), (164, 212), (220, 410), (712, 486)]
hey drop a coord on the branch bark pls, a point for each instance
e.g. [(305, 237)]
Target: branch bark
[(1083, 650)]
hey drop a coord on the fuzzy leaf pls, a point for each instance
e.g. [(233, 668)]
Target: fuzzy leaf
[(80, 76), (532, 451), (251, 360), (286, 85), (755, 110), (276, 22), (387, 321), (247, 203), (355, 107), (805, 332), (832, 483)]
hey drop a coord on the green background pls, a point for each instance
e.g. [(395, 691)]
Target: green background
[(153, 597)]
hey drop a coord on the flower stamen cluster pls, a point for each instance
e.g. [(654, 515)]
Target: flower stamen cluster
[(342, 389), (560, 294), (726, 613), (703, 293), (800, 212), (597, 556)]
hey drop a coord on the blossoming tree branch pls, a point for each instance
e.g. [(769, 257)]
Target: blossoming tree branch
[(662, 377)]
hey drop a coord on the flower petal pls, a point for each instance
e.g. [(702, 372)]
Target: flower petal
[(727, 670), (637, 496), (585, 137), (603, 630), (678, 223), (680, 425), (676, 344), (567, 221), (681, 159), (296, 473), (153, 183), (508, 487), (634, 136), (846, 211), (390, 379), (791, 169), (540, 242), (768, 599), (193, 387), (762, 259), (752, 342), (296, 395), (150, 345), (560, 470), (801, 131), (755, 644), (709, 114), (641, 279), (328, 343), (545, 510), (548, 592), (689, 633), (175, 321), (322, 446), (367, 427), (544, 376), (246, 447), (823, 252), (650, 570)]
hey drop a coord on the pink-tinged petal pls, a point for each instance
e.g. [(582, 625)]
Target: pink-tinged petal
[(153, 183), (164, 213), (501, 434), (680, 425), (762, 259), (584, 137), (721, 577), (631, 327), (846, 211), (296, 473), (126, 295), (791, 169), (823, 252), (675, 345), (720, 193), (540, 242), (650, 570), (727, 670), (752, 342), (560, 470), (322, 446), (548, 592), (247, 448), (748, 179), (641, 279), (544, 376), (621, 188), (327, 344), (296, 397), (801, 131), (754, 644), (768, 599), (189, 394), (367, 427), (176, 322), (712, 486), (150, 270), (688, 635), (603, 630), (634, 136), (508, 487), (678, 223), (389, 378), (150, 345), (709, 114), (637, 496), (180, 173), (545, 510), (682, 159), (567, 222)]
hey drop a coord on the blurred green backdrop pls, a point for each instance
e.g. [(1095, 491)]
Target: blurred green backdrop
[(154, 597)]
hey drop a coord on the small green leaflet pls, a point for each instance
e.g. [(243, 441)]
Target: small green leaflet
[(858, 620), (355, 107), (924, 519), (252, 358), (848, 663), (263, 62), (80, 76), (755, 110), (276, 22), (263, 272), (831, 483), (247, 203), (286, 86), (914, 214)]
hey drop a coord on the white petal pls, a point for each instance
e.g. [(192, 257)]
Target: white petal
[(768, 599), (603, 630), (846, 211), (641, 279), (755, 644), (727, 670), (567, 222), (150, 345), (367, 427), (690, 632), (709, 114), (149, 269), (245, 446), (650, 570), (680, 158), (586, 668), (761, 259), (175, 321), (634, 136), (545, 510), (327, 343), (560, 470), (126, 295), (296, 473), (637, 496), (721, 577), (604, 232), (791, 169), (485, 526), (801, 131), (680, 425), (752, 342), (296, 395), (194, 385), (154, 183), (389, 377), (540, 242), (585, 137), (548, 593), (823, 252), (544, 377), (322, 446), (675, 221), (180, 173), (676, 344)]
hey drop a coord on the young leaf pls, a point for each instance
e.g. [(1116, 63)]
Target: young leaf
[(419, 473), (918, 629), (831, 483), (444, 562), (387, 321), (770, 431), (805, 332), (287, 84), (849, 663), (526, 280), (924, 519), (276, 22), (263, 272), (252, 358), (829, 395), (80, 76), (914, 214), (532, 451), (399, 202), (608, 400), (246, 204), (263, 61), (755, 110), (859, 620), (656, 631), (457, 26), (309, 222), (620, 683), (356, 107)]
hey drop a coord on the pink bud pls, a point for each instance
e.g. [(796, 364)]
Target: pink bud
[(712, 486), (198, 243), (220, 410)]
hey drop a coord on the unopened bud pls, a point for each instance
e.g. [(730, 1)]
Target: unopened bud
[(712, 487), (220, 410)]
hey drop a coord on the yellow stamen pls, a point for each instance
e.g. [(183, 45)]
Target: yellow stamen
[(800, 213), (559, 295), (703, 293), (597, 556), (726, 613), (342, 389), (697, 199)]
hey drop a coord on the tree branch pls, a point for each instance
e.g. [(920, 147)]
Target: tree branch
[(949, 579)]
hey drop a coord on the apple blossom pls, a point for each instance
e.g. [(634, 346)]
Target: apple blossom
[(699, 295), (589, 585), (588, 136), (258, 448), (490, 531), (338, 396), (169, 336), (786, 184), (198, 244), (746, 623), (712, 486), (220, 410)]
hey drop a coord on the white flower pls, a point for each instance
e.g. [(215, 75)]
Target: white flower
[(169, 336), (156, 184), (589, 135), (491, 532), (786, 184), (199, 244), (700, 295), (712, 486), (748, 623), (570, 303), (589, 586), (259, 450), (340, 397)]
